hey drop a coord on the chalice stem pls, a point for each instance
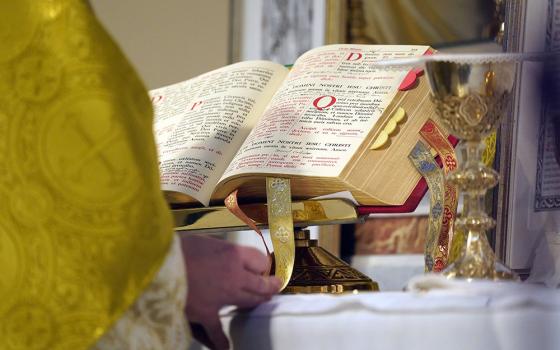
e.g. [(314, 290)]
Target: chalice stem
[(474, 179)]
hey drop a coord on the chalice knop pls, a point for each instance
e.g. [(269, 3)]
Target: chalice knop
[(470, 98)]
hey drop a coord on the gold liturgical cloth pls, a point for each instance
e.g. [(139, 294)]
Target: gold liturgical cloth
[(83, 224)]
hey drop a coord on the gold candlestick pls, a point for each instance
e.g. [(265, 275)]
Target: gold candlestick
[(471, 97)]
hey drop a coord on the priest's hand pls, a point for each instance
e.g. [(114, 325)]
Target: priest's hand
[(220, 273)]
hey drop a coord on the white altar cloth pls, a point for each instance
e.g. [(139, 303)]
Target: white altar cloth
[(489, 317), (391, 271)]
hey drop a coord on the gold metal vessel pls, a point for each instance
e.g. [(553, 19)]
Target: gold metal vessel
[(471, 98)]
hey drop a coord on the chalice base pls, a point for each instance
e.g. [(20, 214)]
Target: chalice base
[(503, 272), (497, 271)]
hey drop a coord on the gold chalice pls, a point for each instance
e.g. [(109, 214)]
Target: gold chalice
[(470, 99)]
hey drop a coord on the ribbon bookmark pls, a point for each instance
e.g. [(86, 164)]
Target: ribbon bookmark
[(424, 162), (233, 206), (435, 137), (281, 226)]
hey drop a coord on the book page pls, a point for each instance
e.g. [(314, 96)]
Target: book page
[(201, 123), (327, 105)]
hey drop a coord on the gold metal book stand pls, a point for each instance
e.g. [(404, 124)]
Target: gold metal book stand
[(315, 270), (318, 271)]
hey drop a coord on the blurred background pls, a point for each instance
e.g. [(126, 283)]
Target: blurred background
[(174, 40)]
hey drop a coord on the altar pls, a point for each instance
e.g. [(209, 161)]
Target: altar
[(485, 317)]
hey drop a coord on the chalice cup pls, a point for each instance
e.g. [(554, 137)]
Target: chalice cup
[(470, 99)]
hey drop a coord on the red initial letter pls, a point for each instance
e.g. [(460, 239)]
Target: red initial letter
[(196, 104), (156, 99), (351, 56), (318, 100)]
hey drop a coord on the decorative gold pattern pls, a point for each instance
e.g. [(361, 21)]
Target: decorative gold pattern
[(457, 243), (464, 115), (424, 162), (281, 225), (470, 99), (83, 225), (157, 319), (435, 137), (311, 211), (489, 154)]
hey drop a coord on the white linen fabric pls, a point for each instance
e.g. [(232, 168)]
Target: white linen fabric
[(157, 319), (513, 317), (391, 271)]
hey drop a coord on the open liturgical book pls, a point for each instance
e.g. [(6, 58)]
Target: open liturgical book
[(332, 123)]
